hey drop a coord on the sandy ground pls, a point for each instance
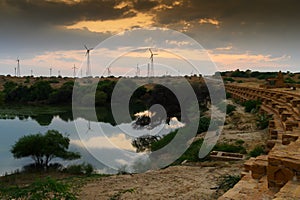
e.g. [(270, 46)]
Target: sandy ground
[(176, 182), (193, 181)]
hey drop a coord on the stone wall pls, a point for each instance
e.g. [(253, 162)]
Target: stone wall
[(282, 164)]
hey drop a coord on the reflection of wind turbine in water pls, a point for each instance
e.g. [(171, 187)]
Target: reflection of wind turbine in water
[(88, 67), (89, 127), (151, 60)]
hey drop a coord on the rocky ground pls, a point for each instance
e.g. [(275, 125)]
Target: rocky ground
[(188, 181)]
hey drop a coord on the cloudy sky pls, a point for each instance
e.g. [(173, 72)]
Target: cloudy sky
[(257, 35)]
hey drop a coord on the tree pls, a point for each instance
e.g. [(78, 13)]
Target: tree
[(43, 148), (40, 91), (2, 98)]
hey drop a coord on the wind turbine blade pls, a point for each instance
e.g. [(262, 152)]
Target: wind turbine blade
[(85, 47), (150, 51)]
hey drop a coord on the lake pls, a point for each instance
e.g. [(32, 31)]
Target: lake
[(110, 147)]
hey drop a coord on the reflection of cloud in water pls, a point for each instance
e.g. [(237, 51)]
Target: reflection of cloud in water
[(111, 145), (174, 124), (118, 141), (144, 113)]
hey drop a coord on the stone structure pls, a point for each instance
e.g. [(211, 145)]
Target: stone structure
[(277, 82), (226, 156), (280, 169)]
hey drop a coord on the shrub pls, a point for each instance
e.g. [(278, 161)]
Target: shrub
[(230, 148), (81, 169), (228, 181), (251, 105), (258, 150), (263, 121), (228, 95), (229, 79), (230, 108), (191, 154), (203, 124), (289, 80), (239, 142)]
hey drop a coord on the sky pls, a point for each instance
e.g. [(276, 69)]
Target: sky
[(237, 34)]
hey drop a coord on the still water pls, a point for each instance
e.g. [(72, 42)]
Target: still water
[(84, 135)]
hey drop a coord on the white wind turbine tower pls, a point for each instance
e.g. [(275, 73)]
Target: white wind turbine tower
[(151, 59), (138, 71), (108, 72), (88, 67), (74, 71), (18, 67)]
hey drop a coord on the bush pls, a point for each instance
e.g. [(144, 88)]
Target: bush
[(229, 79), (289, 80), (263, 121), (81, 169), (203, 124), (191, 154), (2, 98), (258, 150), (251, 105), (228, 181), (239, 142), (228, 95), (230, 108), (230, 148)]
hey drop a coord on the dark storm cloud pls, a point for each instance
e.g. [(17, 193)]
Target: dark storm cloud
[(61, 13), (144, 5), (32, 27), (276, 11), (260, 26)]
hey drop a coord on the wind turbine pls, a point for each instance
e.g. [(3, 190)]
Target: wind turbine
[(50, 71), (108, 72), (15, 71), (74, 71), (148, 70), (138, 71), (88, 67), (151, 59), (18, 67)]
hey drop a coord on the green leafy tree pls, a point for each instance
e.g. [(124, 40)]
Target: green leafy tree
[(63, 95), (2, 98), (43, 148), (40, 91)]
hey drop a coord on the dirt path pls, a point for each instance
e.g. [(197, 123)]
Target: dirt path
[(176, 182)]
